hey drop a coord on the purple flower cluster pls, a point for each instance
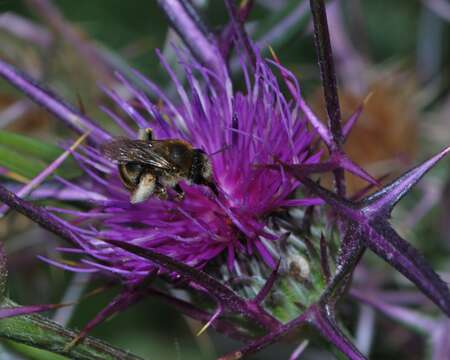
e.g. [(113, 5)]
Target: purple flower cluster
[(242, 132)]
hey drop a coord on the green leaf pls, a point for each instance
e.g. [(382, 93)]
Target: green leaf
[(20, 164), (40, 332), (27, 156), (32, 353), (45, 151)]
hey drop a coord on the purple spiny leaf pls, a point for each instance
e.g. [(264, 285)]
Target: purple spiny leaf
[(365, 190), (3, 271), (351, 242), (436, 329), (307, 220), (37, 214), (348, 126), (329, 83), (347, 164), (382, 202), (262, 294), (306, 169), (325, 265), (52, 102), (26, 310), (351, 252), (270, 338), (313, 315), (330, 331), (337, 160), (327, 72), (299, 350), (213, 318), (400, 313), (190, 310), (369, 221), (227, 297), (344, 206), (310, 248), (199, 277), (121, 302), (382, 239)]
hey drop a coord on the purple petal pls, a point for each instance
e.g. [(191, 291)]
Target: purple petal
[(330, 331), (268, 285)]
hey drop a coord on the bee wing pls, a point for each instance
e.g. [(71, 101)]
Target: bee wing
[(123, 150)]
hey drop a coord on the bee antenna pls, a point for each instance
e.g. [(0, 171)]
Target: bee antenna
[(220, 150)]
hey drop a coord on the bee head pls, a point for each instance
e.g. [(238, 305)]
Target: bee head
[(201, 170)]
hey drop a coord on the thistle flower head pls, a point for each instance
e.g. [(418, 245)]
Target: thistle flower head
[(241, 131)]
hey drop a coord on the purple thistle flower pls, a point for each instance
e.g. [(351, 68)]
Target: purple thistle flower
[(241, 132)]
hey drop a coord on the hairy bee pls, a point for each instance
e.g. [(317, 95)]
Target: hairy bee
[(149, 167)]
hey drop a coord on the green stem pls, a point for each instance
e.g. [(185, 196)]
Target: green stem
[(42, 333)]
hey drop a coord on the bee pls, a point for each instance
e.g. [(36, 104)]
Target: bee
[(149, 167)]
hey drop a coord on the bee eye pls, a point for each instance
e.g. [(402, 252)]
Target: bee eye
[(130, 173)]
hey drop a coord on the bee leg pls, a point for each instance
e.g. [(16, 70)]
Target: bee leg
[(161, 192), (180, 193), (145, 134), (213, 187), (144, 188)]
